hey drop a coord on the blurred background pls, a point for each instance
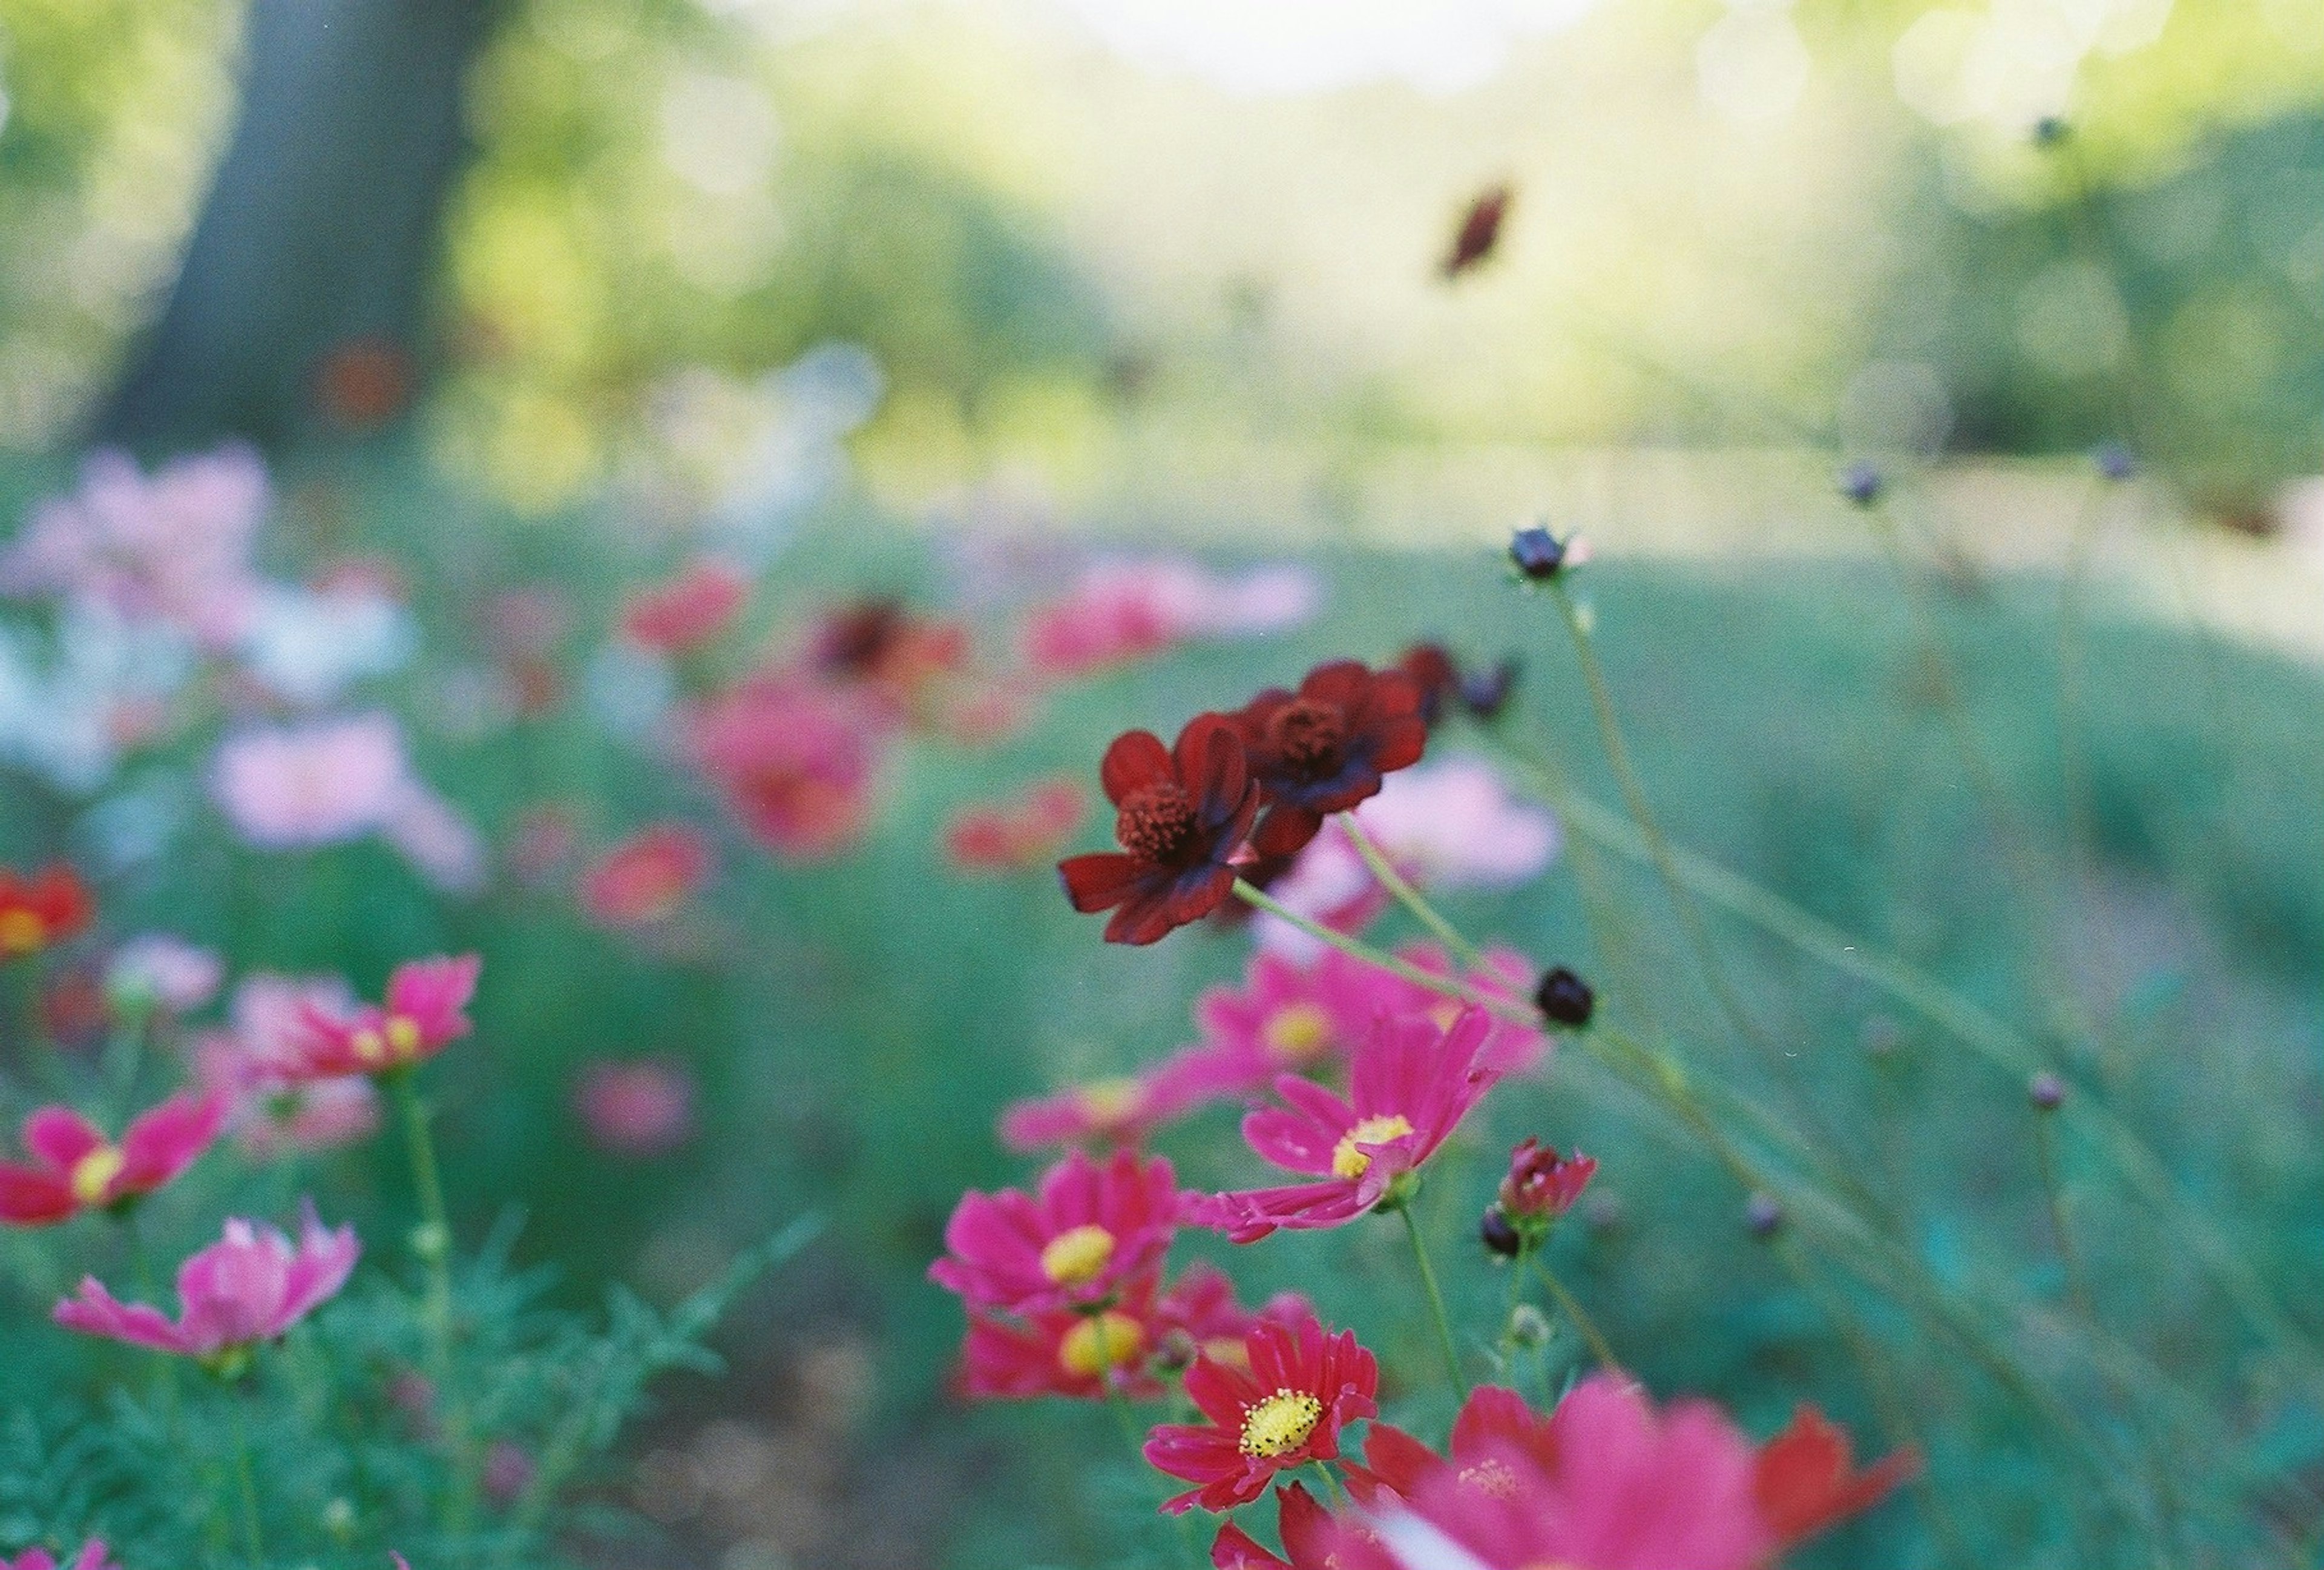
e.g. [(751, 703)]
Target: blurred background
[(525, 300)]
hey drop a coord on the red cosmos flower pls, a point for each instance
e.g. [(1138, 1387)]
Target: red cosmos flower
[(1543, 1185), (1003, 836), (1411, 1084), (425, 1011), (1087, 1229), (1131, 1342), (1182, 817), (1310, 1537), (688, 611), (41, 911), (1300, 1387), (1326, 747), (1806, 1481), (75, 1167), (647, 877), (794, 759)]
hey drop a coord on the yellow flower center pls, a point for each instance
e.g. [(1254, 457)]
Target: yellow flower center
[(1110, 1101), (22, 932), (1280, 1423), (1103, 1340), (1077, 1254), (1298, 1033), (402, 1038), (94, 1173), (367, 1046), (1349, 1162)]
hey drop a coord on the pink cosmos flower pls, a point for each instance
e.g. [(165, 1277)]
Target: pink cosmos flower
[(1411, 1084), (174, 548), (1114, 1111), (1122, 610), (255, 1064), (1452, 825), (646, 878), (1011, 834), (1087, 1228), (1285, 1018), (640, 1110), (795, 762), (1608, 1482), (1327, 882), (688, 611), (1506, 976), (425, 1010), (75, 1167), (90, 1557), (324, 782), (249, 1287), (1298, 1385), (1141, 1334), (158, 970), (439, 841)]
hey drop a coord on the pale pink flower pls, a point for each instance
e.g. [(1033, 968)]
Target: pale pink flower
[(90, 1557), (1124, 610), (439, 841), (172, 548), (1452, 824), (296, 787), (256, 1063), (249, 1287), (638, 1109), (158, 969)]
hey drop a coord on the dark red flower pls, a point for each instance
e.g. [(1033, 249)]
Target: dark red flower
[(1324, 748), (1183, 815), (1543, 1185), (1806, 1481)]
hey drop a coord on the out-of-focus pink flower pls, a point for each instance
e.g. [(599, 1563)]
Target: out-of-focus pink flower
[(639, 1109), (1113, 1111), (647, 877), (250, 1287), (1506, 976), (439, 841), (1326, 883), (795, 762), (295, 787), (75, 1167), (1452, 824), (424, 1012), (159, 970), (688, 611), (1285, 1018), (90, 1557), (1010, 836), (1121, 611), (509, 1471), (546, 840), (174, 547), (1411, 1084), (1073, 1241), (255, 1065)]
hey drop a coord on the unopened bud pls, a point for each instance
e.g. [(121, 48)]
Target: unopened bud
[(1499, 1235), (1536, 552), (2046, 1091), (1565, 997), (1764, 1215)]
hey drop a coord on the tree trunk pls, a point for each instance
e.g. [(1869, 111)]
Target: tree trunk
[(322, 226)]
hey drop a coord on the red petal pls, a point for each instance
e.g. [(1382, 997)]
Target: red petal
[(1099, 879), (1137, 758)]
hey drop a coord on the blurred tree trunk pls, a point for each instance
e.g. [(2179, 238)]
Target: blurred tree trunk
[(322, 226)]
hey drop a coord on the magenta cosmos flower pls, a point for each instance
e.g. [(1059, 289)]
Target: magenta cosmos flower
[(90, 1557), (75, 1167), (795, 761), (257, 1066), (1412, 1084), (1298, 1387), (1143, 1333), (249, 1286), (1072, 1242), (1115, 1112), (425, 1010)]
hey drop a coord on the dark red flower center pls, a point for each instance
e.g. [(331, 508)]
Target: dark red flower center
[(1157, 823), (856, 640), (1310, 737)]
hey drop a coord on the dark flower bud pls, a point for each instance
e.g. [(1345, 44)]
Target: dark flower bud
[(1498, 1234), (1565, 997), (1485, 693), (2115, 461), (2046, 1091), (1764, 1215), (1543, 1185), (1861, 483), (2051, 129), (1536, 552)]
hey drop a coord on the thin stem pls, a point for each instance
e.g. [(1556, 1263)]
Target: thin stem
[(1500, 1008), (1114, 1399), (1435, 1300), (1397, 884), (1594, 1338), (2078, 1285), (165, 1374), (433, 1243), (247, 1484)]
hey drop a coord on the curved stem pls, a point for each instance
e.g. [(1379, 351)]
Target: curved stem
[(1356, 949), (1436, 1300), (1398, 885), (1592, 1337)]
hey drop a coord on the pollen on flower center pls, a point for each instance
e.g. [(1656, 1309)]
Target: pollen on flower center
[(1109, 1102), (1349, 1162), (1103, 1340), (1077, 1254), (1310, 736), (402, 1038), (1298, 1032), (21, 932), (1491, 1477), (94, 1173), (1156, 822), (1280, 1423)]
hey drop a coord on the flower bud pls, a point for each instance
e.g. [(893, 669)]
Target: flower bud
[(1528, 1326), (1536, 552), (1764, 1215), (1543, 1185), (1485, 693), (2046, 1091), (1861, 483), (1565, 997), (1499, 1235)]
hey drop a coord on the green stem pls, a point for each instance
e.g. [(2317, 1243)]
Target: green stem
[(1356, 949), (1115, 1401), (1397, 884), (1435, 1300), (1595, 1339), (2077, 1285), (247, 1482), (165, 1372), (433, 1243)]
